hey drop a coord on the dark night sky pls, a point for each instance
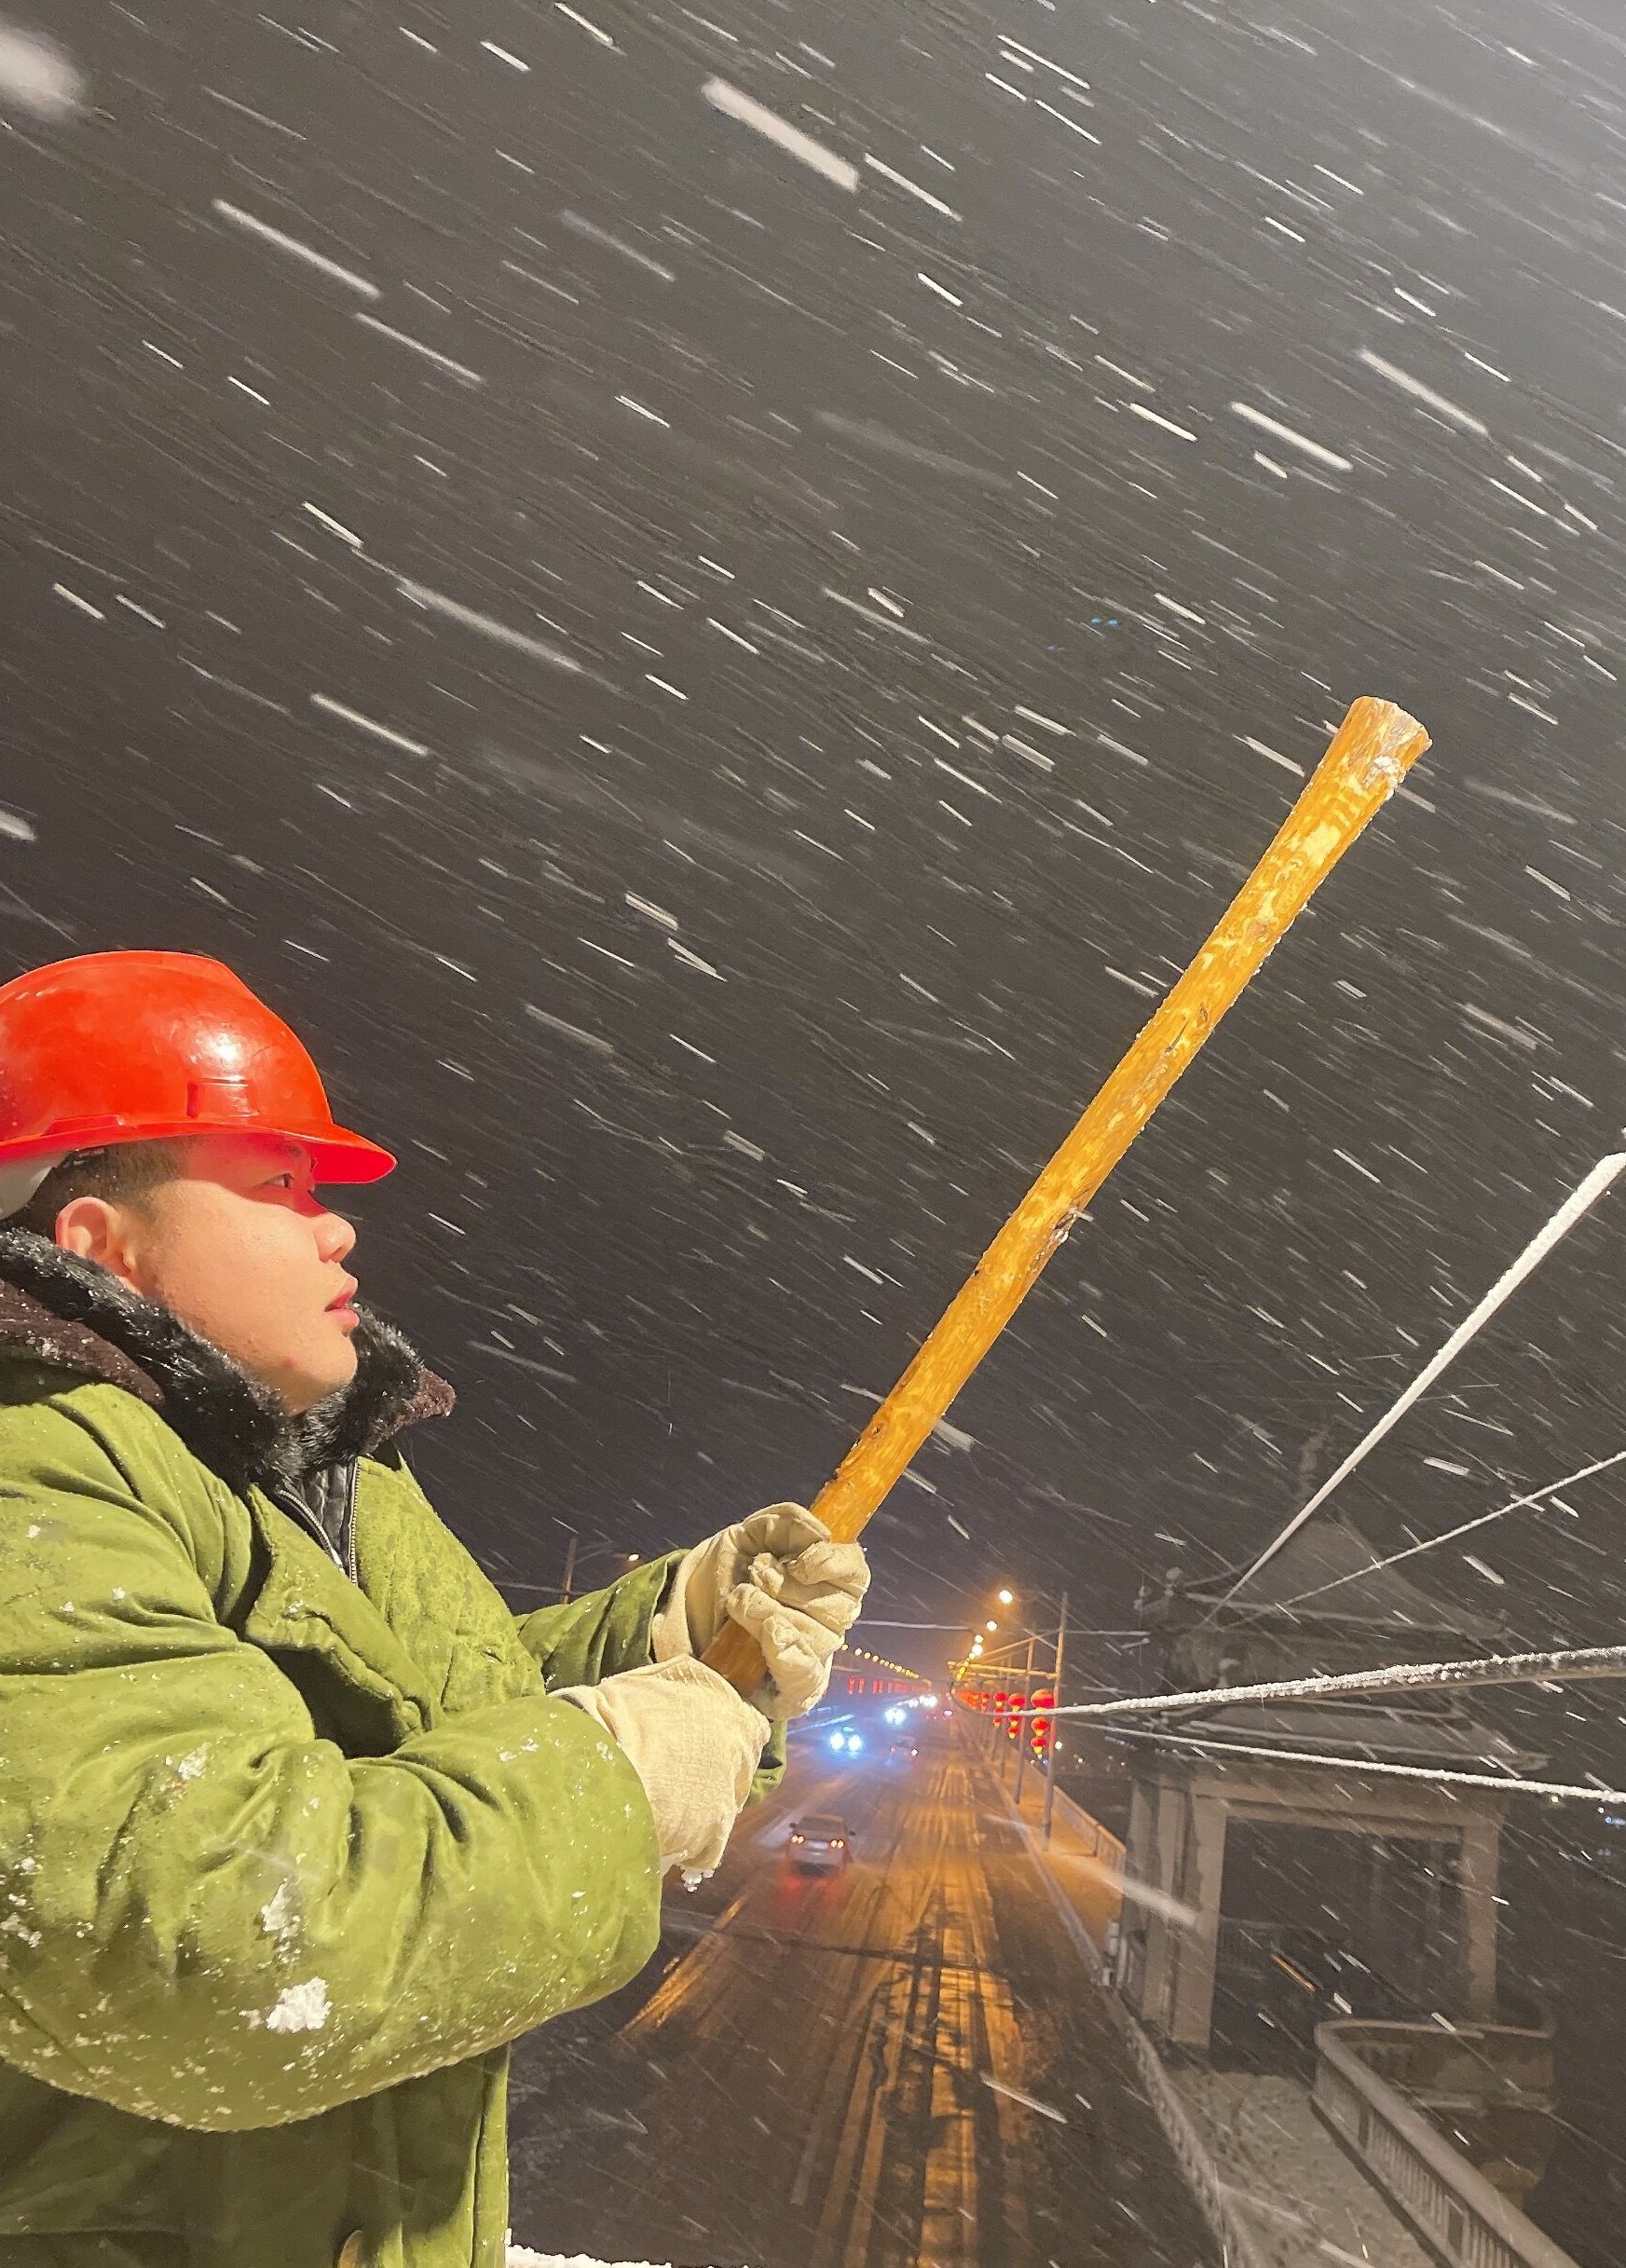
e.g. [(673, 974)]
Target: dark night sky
[(723, 988)]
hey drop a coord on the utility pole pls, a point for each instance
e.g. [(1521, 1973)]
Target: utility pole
[(1055, 1720), (569, 1570), (1024, 1721)]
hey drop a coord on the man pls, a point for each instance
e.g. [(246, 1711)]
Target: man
[(299, 1825)]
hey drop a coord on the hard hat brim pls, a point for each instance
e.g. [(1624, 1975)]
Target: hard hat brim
[(341, 1156), (337, 1153)]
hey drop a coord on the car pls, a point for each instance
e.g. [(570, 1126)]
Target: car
[(819, 1843), (906, 1749)]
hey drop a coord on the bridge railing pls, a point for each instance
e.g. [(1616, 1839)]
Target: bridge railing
[(1222, 2206), (1469, 2223), (1098, 1842), (1462, 2064)]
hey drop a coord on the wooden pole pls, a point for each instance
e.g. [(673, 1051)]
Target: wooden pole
[(1369, 756)]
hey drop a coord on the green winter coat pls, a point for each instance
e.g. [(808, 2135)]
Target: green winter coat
[(286, 1858)]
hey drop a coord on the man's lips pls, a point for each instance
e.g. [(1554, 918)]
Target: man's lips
[(341, 1303)]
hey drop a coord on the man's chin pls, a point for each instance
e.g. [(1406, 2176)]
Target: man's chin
[(304, 1389)]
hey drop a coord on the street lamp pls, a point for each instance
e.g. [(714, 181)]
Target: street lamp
[(1006, 1597)]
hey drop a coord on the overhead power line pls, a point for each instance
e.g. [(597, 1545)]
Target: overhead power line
[(1362, 1765), (1579, 1202), (1432, 1543), (1564, 1667)]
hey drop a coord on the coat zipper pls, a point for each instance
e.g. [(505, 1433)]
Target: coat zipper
[(348, 1525), (343, 1554), (306, 1519)]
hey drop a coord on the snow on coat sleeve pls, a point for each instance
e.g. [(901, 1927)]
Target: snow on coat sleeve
[(603, 1631), (606, 1631), (211, 1916)]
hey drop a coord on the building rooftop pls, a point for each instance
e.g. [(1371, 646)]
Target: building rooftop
[(1327, 1576)]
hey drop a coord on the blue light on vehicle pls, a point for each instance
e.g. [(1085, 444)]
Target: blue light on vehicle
[(838, 1741), (853, 1744)]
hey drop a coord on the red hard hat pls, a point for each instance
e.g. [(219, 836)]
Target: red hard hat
[(117, 1048)]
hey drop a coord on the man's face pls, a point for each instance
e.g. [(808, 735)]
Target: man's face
[(239, 1246)]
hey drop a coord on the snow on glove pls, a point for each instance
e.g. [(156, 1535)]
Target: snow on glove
[(778, 1575), (694, 1744)]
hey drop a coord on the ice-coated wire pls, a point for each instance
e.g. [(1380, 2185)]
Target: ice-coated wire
[(1362, 1767), (1564, 1667), (1579, 1201)]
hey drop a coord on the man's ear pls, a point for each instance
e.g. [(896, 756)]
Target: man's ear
[(95, 1229)]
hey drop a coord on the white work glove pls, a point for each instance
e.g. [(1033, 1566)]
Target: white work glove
[(779, 1576), (694, 1744)]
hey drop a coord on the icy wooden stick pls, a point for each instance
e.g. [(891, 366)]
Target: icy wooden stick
[(1370, 754)]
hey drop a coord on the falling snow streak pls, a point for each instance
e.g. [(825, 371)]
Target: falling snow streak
[(489, 626), (418, 346), (1315, 450), (369, 725), (296, 249), (779, 132)]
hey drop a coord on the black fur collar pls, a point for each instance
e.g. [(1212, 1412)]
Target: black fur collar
[(70, 1311)]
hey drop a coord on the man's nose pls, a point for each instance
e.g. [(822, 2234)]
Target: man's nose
[(336, 1237)]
